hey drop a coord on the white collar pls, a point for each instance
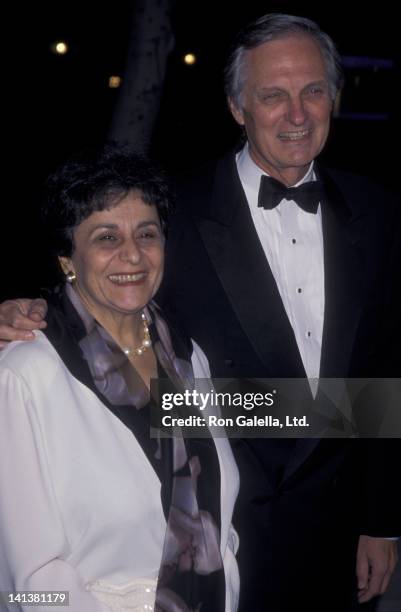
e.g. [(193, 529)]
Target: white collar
[(250, 173)]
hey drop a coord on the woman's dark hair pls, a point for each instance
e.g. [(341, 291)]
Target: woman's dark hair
[(94, 180)]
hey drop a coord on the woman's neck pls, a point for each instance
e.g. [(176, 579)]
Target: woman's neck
[(127, 329)]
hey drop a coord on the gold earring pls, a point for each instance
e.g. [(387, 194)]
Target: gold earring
[(70, 276)]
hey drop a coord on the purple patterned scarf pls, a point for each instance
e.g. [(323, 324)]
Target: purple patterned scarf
[(191, 576)]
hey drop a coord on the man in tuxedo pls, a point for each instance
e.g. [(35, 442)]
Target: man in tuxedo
[(276, 282), (280, 267)]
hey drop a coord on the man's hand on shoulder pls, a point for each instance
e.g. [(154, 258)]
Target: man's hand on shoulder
[(375, 564), (18, 319)]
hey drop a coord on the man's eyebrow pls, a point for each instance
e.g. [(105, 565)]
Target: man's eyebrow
[(267, 88), (320, 82)]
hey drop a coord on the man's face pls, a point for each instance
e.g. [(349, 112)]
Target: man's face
[(285, 105)]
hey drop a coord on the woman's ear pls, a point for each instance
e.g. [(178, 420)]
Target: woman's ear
[(66, 265)]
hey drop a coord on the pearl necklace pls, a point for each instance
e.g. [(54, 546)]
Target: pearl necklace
[(146, 342)]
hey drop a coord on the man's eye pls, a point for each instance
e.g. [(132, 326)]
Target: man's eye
[(271, 96), (314, 90)]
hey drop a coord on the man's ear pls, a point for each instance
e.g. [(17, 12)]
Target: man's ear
[(66, 264), (236, 112)]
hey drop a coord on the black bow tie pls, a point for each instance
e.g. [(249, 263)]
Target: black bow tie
[(307, 196)]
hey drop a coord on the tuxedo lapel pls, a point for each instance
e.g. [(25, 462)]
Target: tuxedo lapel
[(231, 241), (230, 238), (344, 279), (303, 448)]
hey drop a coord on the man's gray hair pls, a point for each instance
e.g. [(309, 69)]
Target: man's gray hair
[(271, 27)]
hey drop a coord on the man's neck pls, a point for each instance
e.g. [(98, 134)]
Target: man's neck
[(252, 167)]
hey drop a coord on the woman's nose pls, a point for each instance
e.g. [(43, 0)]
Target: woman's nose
[(130, 252)]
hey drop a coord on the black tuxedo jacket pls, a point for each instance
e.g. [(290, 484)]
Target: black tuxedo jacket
[(298, 502)]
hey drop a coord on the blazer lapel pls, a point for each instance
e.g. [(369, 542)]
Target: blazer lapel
[(65, 329), (230, 238), (343, 281), (343, 290)]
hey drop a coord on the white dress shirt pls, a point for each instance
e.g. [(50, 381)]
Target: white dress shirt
[(292, 241)]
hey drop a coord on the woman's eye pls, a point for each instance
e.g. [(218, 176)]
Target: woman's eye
[(107, 238)]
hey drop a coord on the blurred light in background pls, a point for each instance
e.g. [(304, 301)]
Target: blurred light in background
[(114, 82), (59, 47), (189, 59)]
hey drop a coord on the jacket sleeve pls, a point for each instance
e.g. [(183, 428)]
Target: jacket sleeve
[(32, 538)]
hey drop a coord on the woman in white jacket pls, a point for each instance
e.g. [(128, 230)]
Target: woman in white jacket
[(90, 504)]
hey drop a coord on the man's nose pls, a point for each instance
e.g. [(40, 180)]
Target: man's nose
[(130, 252), (296, 111)]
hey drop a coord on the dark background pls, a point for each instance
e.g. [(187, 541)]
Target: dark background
[(57, 104)]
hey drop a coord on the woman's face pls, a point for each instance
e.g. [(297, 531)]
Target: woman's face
[(118, 257)]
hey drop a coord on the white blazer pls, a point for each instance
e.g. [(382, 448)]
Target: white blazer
[(80, 506)]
